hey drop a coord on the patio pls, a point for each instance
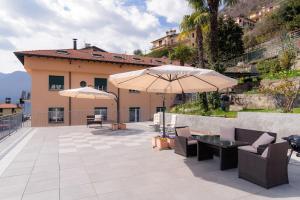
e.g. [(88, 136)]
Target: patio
[(98, 164)]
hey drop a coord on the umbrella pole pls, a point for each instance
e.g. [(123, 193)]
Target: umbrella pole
[(164, 118), (118, 106)]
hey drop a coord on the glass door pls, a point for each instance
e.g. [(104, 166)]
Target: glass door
[(134, 114)]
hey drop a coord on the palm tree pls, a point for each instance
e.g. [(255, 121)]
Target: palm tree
[(195, 22), (182, 53), (213, 6)]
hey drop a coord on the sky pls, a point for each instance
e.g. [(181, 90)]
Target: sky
[(119, 26)]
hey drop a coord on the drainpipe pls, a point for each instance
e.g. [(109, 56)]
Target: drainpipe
[(70, 101)]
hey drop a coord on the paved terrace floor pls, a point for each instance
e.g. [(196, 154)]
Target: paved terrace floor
[(80, 163)]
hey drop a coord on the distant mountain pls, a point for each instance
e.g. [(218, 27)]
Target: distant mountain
[(12, 85)]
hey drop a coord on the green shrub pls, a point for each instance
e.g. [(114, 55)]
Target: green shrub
[(286, 59), (268, 66)]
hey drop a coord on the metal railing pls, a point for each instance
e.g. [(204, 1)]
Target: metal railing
[(9, 124)]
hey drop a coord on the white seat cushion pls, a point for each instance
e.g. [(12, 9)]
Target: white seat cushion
[(227, 133), (265, 153), (98, 117), (262, 140), (184, 132), (248, 148)]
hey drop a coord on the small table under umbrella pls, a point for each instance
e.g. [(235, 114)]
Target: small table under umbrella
[(172, 79)]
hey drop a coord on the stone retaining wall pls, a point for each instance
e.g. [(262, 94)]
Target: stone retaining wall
[(281, 123)]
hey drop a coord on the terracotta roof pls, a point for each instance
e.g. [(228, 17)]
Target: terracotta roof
[(93, 55), (8, 105)]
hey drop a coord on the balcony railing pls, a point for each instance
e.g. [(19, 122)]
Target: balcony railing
[(9, 124)]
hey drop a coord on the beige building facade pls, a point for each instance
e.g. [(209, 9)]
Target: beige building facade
[(171, 39), (55, 70)]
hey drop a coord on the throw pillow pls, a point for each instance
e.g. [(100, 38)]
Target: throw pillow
[(262, 140), (227, 133), (184, 132), (265, 153)]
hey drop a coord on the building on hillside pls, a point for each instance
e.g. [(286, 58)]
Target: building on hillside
[(244, 22), (263, 12), (9, 109), (171, 39), (55, 70)]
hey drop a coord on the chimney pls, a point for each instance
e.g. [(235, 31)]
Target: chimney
[(7, 100), (75, 44)]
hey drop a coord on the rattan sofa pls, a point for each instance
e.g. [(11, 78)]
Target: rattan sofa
[(250, 136), (266, 172)]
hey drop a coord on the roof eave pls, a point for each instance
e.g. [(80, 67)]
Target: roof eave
[(20, 56)]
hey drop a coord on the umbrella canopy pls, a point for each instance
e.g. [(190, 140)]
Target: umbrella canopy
[(87, 93), (173, 79)]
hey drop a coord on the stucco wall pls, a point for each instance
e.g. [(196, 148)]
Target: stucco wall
[(283, 124), (43, 98)]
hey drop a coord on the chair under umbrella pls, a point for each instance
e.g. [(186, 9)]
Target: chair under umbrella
[(172, 79), (91, 93)]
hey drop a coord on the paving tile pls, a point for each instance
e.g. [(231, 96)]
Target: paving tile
[(46, 195), (84, 191), (16, 172), (40, 186)]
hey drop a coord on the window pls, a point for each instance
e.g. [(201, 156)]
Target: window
[(82, 84), (1, 110), (134, 91), (101, 111), (56, 115), (96, 55), (62, 52), (56, 82), (134, 114), (101, 84), (119, 57), (159, 109)]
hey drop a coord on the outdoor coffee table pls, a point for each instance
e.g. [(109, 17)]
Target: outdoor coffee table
[(209, 145)]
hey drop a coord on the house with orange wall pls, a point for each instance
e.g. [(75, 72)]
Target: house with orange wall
[(55, 70)]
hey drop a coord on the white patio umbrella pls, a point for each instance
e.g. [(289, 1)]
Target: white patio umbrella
[(172, 79), (87, 93), (91, 93)]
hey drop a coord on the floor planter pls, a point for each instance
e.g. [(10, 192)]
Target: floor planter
[(122, 126), (171, 142), (114, 126), (162, 143)]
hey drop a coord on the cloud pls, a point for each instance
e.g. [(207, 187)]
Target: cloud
[(172, 10), (6, 44), (114, 25)]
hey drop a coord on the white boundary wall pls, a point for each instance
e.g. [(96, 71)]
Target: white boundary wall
[(281, 123)]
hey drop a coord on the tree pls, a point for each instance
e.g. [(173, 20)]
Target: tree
[(195, 22), (182, 53), (159, 53), (192, 22), (285, 91), (213, 9), (230, 39), (138, 52)]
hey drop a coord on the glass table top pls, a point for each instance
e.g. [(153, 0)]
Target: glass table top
[(217, 141)]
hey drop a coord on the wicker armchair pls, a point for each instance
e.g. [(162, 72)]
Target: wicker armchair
[(184, 144), (266, 172)]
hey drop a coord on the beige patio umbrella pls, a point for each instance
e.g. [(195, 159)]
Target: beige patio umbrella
[(87, 93), (172, 79), (91, 93)]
